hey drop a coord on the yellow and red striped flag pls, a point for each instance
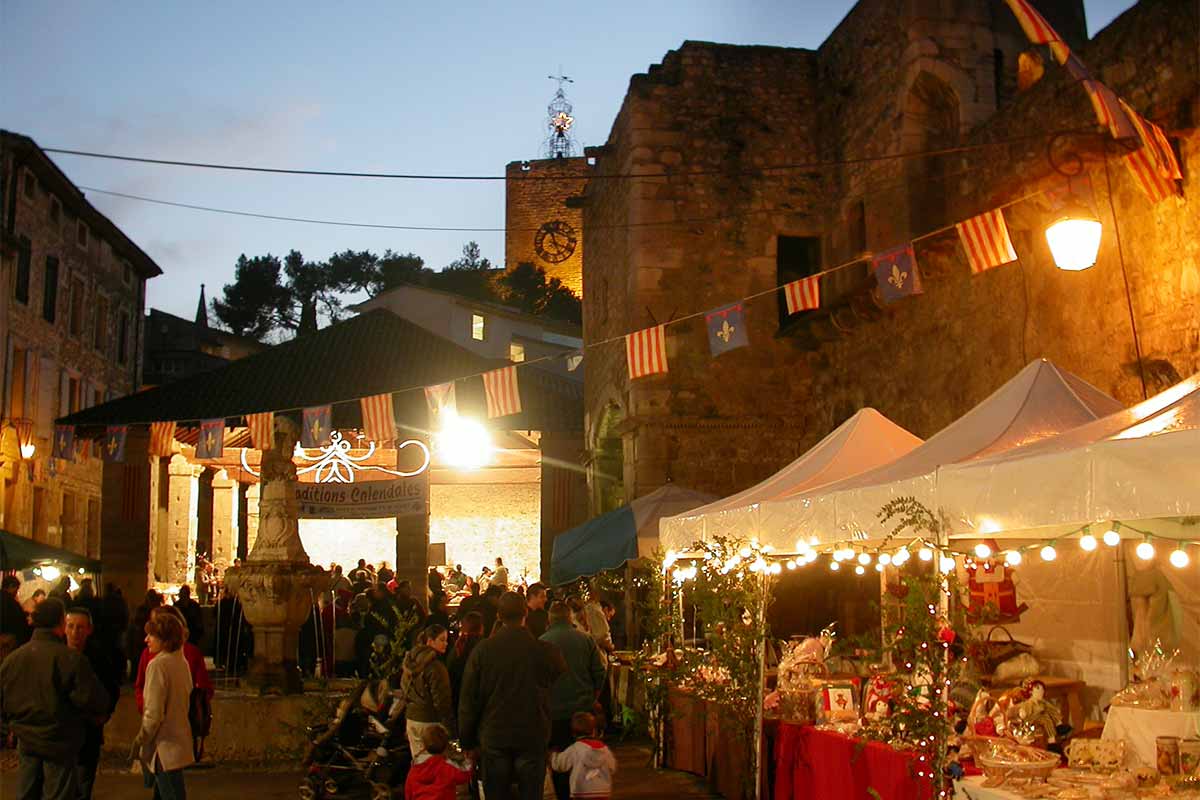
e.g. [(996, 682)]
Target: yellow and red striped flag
[(379, 419), (646, 351), (503, 395), (985, 239), (162, 435), (262, 429), (1038, 30), (1153, 164), (803, 295)]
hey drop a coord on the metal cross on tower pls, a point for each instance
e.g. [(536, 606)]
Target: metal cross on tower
[(559, 143)]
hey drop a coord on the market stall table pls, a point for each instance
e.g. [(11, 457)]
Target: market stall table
[(973, 789), (818, 764), (1139, 727)]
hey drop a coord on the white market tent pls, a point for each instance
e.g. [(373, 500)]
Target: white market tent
[(866, 440), (1040, 401)]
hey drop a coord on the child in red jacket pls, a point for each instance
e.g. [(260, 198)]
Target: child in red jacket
[(432, 777)]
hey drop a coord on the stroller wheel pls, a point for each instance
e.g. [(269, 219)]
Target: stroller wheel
[(331, 787), (381, 791), (309, 789)]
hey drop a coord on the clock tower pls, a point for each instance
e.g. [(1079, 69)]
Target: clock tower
[(539, 227)]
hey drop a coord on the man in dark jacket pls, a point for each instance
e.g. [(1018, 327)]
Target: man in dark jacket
[(192, 614), (47, 690), (14, 628), (502, 709), (576, 690), (81, 639), (537, 620)]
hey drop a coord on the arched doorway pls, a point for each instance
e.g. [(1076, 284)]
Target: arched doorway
[(931, 122)]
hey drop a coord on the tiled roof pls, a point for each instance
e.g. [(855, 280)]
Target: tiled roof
[(369, 354)]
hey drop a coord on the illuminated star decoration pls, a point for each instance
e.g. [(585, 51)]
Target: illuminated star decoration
[(562, 122)]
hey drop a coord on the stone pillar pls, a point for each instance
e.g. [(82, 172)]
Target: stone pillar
[(252, 495), (412, 540), (277, 582), (224, 519), (182, 494)]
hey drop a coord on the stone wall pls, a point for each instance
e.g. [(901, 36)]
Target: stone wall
[(535, 193), (721, 424)]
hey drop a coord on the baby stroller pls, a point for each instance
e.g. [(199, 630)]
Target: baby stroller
[(362, 753)]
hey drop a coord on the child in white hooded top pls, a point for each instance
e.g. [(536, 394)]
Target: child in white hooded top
[(589, 761)]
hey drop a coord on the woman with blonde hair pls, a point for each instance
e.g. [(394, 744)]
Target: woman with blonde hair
[(164, 743)]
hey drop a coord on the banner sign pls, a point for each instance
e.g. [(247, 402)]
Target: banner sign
[(365, 500)]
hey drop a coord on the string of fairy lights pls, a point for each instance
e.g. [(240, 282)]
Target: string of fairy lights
[(762, 558)]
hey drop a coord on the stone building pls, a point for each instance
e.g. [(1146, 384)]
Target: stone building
[(539, 227), (178, 348), (761, 165), (72, 292)]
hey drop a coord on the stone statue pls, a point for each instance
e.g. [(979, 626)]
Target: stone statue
[(278, 512)]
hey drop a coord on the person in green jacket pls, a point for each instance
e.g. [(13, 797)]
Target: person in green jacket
[(576, 690), (425, 687)]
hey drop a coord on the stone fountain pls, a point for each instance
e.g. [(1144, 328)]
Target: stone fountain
[(277, 582)]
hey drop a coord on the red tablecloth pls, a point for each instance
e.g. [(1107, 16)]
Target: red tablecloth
[(822, 764)]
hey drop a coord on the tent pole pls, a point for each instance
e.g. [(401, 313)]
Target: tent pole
[(762, 686), (1122, 614)]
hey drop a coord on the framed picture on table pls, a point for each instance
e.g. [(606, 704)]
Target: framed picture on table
[(838, 702)]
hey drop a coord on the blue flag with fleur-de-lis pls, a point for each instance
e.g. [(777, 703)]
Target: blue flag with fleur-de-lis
[(726, 328), (64, 442), (211, 443), (114, 443), (897, 273), (316, 426)]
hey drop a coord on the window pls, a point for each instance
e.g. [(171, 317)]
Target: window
[(55, 209), (30, 185), (516, 352), (17, 382), (857, 228), (81, 234), (50, 290), (100, 330), (477, 327), (123, 338), (127, 273), (796, 257), (24, 256), (78, 291)]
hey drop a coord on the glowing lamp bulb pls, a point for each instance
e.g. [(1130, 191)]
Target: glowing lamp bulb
[(1179, 558), (744, 552), (464, 443), (1087, 542), (1112, 538), (27, 450), (925, 554), (1074, 240), (878, 567), (1012, 558), (982, 551), (859, 570), (901, 557), (885, 559), (776, 568), (1049, 553), (835, 566), (864, 558), (791, 564), (947, 564), (50, 572), (1145, 551)]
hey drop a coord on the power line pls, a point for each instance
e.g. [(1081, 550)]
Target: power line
[(543, 177)]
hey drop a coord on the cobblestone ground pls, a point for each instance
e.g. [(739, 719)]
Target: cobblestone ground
[(636, 780)]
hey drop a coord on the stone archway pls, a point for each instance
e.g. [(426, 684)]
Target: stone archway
[(931, 121), (606, 474)]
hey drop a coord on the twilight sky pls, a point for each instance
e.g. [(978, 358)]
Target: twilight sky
[(368, 86)]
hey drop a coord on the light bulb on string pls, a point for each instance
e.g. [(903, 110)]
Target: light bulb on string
[(776, 568), (1049, 553), (1179, 558), (791, 564), (902, 556), (1087, 542), (885, 559), (878, 566), (744, 552), (1145, 550), (947, 564), (859, 569), (1012, 558), (835, 566), (864, 558), (983, 551), (925, 554), (1112, 537)]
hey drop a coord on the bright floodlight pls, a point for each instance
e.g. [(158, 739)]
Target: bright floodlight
[(464, 443), (50, 573)]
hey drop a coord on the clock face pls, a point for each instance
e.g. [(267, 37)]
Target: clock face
[(555, 241)]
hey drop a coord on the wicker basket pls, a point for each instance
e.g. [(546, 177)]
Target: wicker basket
[(991, 653)]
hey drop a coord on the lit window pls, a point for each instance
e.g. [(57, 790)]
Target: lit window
[(477, 327), (516, 352)]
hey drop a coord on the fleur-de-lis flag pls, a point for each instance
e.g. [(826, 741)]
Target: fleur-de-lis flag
[(114, 443), (442, 403), (726, 328), (64, 442), (897, 273), (211, 443), (316, 428)]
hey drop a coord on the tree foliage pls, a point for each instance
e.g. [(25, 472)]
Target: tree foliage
[(256, 302)]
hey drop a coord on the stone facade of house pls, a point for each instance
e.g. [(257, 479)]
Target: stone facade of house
[(766, 164)]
